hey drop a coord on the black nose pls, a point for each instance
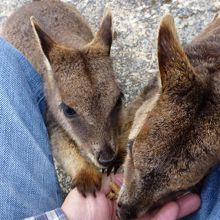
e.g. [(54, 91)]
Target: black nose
[(106, 156), (126, 212)]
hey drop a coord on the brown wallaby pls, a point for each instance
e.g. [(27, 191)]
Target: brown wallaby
[(178, 141), (83, 98)]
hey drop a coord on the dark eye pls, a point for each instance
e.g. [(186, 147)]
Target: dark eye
[(116, 109), (119, 101), (68, 111)]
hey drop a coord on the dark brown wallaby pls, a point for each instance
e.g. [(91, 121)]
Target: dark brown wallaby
[(178, 140)]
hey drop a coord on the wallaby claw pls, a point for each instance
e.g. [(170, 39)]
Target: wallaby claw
[(113, 169), (116, 168), (109, 170)]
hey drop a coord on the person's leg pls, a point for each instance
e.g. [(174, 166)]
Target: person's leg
[(210, 196), (28, 183)]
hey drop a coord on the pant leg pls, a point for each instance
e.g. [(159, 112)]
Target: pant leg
[(210, 196), (28, 183)]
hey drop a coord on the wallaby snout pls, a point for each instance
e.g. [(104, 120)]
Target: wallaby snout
[(126, 212)]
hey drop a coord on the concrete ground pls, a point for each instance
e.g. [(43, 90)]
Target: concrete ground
[(136, 23)]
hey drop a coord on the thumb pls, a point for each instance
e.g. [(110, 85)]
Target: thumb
[(169, 211)]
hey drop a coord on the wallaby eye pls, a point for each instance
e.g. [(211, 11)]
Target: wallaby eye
[(119, 101), (116, 108), (68, 111)]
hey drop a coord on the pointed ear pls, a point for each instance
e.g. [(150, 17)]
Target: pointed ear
[(175, 68), (44, 40), (104, 35)]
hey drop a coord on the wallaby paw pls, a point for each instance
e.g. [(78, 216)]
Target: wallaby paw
[(113, 194), (88, 181), (113, 169)]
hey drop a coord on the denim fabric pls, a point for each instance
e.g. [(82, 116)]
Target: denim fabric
[(28, 183), (210, 195)]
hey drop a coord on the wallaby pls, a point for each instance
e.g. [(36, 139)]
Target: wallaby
[(178, 141), (83, 97)]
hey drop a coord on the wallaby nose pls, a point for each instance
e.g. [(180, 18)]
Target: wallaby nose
[(126, 212), (106, 156)]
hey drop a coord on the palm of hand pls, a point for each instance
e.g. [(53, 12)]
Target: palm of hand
[(76, 207)]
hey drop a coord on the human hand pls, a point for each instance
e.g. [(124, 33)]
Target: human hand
[(176, 209), (76, 207)]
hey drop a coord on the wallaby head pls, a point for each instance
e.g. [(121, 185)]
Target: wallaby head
[(82, 92), (178, 141)]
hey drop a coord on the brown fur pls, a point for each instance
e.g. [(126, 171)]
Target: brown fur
[(79, 79), (179, 141)]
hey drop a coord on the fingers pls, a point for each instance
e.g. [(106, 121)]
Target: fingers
[(118, 178), (168, 211), (175, 210), (188, 204), (106, 184)]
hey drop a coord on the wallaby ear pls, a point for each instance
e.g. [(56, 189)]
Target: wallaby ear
[(104, 35), (44, 40), (175, 68)]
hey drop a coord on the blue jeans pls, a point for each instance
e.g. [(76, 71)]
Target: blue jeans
[(28, 182), (210, 195)]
